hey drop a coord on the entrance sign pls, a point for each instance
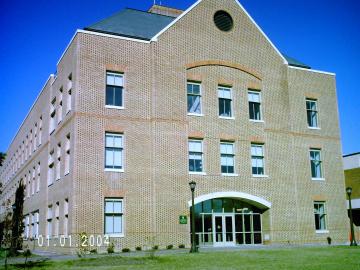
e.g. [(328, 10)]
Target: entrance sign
[(182, 219)]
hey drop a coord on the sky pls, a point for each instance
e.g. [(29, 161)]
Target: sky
[(324, 34)]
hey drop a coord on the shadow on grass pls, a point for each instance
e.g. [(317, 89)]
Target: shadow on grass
[(111, 260)]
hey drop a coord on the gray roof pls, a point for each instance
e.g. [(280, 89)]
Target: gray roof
[(145, 25), (132, 23)]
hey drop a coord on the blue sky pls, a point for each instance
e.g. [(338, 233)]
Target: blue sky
[(324, 34)]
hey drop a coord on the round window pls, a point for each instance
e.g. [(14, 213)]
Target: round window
[(223, 21)]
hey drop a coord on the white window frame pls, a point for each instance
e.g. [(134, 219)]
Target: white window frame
[(120, 135), (122, 234), (317, 113), (200, 95), (122, 90), (264, 175), (202, 156), (227, 154), (261, 120), (323, 230), (321, 178), (232, 111)]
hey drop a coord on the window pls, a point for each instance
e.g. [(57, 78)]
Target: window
[(114, 216), (56, 231), (49, 221), (30, 142), (114, 89), (59, 113), (312, 113), (51, 168), (35, 224), (52, 116), (194, 98), (195, 156), (254, 105), (113, 151), (38, 178), (27, 226), (320, 216), (257, 159), (33, 182), (67, 155), (227, 157), (35, 138), (68, 100), (225, 100), (66, 217), (28, 186), (58, 163), (316, 164), (40, 131)]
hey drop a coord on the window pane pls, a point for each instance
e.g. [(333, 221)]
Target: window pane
[(194, 104), (254, 97), (109, 141), (118, 141), (109, 158), (117, 224), (117, 159), (118, 80), (110, 96), (118, 96), (109, 224), (195, 146), (117, 207), (109, 207), (110, 79)]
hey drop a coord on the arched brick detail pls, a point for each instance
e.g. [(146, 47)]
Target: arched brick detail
[(224, 64)]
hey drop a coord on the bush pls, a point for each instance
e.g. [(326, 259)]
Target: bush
[(169, 247), (181, 246), (329, 240), (138, 248), (126, 250), (111, 248), (155, 247), (93, 251)]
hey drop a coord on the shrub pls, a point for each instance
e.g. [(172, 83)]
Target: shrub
[(111, 248), (329, 240), (169, 247), (126, 250), (93, 251), (181, 246), (138, 248), (156, 247)]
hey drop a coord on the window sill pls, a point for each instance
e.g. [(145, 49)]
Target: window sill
[(314, 128), (68, 112), (116, 235), (318, 179), (322, 231), (229, 174), (49, 185), (197, 173), (67, 173), (114, 107), (260, 176), (195, 114), (113, 170), (256, 121), (227, 118)]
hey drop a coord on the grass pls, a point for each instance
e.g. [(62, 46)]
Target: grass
[(329, 258)]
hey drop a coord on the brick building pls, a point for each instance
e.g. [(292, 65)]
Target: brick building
[(145, 102), (352, 179)]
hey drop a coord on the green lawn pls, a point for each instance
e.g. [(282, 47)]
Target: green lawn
[(329, 258)]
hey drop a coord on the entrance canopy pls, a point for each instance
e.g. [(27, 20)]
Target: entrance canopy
[(251, 199)]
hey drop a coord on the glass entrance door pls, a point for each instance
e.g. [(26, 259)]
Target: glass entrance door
[(224, 229)]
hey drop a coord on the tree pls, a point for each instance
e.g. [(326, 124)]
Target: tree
[(17, 219), (2, 158)]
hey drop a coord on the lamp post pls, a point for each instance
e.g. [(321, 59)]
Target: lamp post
[(353, 242), (193, 249)]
